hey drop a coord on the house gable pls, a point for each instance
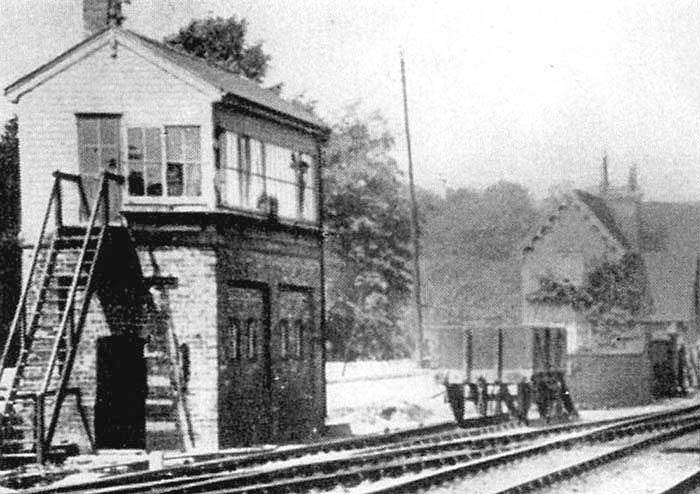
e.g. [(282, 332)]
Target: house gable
[(130, 85)]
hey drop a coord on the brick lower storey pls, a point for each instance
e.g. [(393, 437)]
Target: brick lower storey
[(183, 289)]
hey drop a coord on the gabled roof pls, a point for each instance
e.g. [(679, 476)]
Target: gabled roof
[(603, 213), (224, 81)]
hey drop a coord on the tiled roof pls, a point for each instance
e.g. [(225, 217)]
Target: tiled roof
[(230, 83), (602, 212)]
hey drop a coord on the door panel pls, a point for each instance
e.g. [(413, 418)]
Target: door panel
[(244, 379), (98, 151), (292, 352)]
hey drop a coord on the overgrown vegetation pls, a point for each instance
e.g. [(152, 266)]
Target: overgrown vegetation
[(614, 292)]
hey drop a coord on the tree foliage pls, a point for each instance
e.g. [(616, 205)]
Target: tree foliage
[(365, 207), (368, 217), (223, 41), (470, 240)]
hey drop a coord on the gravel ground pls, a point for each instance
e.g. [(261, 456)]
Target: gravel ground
[(645, 473)]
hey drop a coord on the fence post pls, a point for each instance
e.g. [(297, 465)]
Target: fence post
[(499, 370), (105, 198), (39, 427), (58, 218)]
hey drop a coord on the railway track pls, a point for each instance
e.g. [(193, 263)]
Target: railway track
[(433, 459), (182, 465), (654, 430)]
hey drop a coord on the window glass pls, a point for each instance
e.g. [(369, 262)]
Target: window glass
[(175, 179), (252, 330), (298, 334), (253, 170), (284, 338), (234, 338), (145, 166), (183, 170)]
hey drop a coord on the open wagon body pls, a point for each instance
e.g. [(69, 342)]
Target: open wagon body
[(513, 366)]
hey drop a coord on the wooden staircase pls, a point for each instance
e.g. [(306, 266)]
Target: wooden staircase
[(49, 321)]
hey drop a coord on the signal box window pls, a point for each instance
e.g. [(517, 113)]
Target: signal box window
[(255, 173), (179, 174)]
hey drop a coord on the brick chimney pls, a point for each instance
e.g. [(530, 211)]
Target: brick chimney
[(98, 14)]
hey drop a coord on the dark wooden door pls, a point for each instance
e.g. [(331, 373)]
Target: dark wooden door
[(292, 351), (244, 369), (663, 368), (98, 151), (120, 402)]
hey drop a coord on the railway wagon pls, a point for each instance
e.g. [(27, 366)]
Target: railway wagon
[(512, 366), (510, 354)]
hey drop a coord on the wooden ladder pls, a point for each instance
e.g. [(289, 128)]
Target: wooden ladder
[(49, 319)]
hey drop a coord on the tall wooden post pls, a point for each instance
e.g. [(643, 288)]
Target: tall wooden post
[(414, 225)]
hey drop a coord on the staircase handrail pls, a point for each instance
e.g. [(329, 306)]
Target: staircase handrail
[(102, 198), (28, 281)]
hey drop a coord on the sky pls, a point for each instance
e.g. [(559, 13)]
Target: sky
[(534, 92)]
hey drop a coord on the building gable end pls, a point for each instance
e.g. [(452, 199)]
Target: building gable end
[(118, 39), (568, 202)]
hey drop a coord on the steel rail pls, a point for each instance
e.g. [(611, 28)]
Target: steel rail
[(318, 474), (431, 479), (211, 463), (422, 444)]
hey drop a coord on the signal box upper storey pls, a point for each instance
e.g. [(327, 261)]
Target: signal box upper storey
[(188, 136)]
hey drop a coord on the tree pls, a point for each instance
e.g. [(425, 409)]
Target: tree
[(366, 208), (222, 41), (10, 271), (367, 214), (470, 239)]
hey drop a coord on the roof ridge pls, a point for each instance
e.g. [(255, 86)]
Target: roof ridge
[(211, 63)]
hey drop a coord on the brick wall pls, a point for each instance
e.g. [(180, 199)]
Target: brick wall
[(193, 315), (604, 380)]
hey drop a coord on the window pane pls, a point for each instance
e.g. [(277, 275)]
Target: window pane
[(173, 138), (136, 182), (110, 159), (191, 135), (174, 178), (154, 179), (279, 163), (234, 338), (231, 195), (298, 334), (135, 144), (152, 145), (90, 159), (252, 325), (284, 337), (109, 131), (194, 180), (87, 130)]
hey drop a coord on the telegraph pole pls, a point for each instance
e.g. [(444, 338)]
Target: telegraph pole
[(414, 223)]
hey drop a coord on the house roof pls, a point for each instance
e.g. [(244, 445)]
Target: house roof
[(672, 285), (222, 79), (230, 83), (602, 212)]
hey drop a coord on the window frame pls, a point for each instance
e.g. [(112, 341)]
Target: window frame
[(164, 197), (306, 201)]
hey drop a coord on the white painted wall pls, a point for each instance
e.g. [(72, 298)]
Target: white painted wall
[(143, 93)]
